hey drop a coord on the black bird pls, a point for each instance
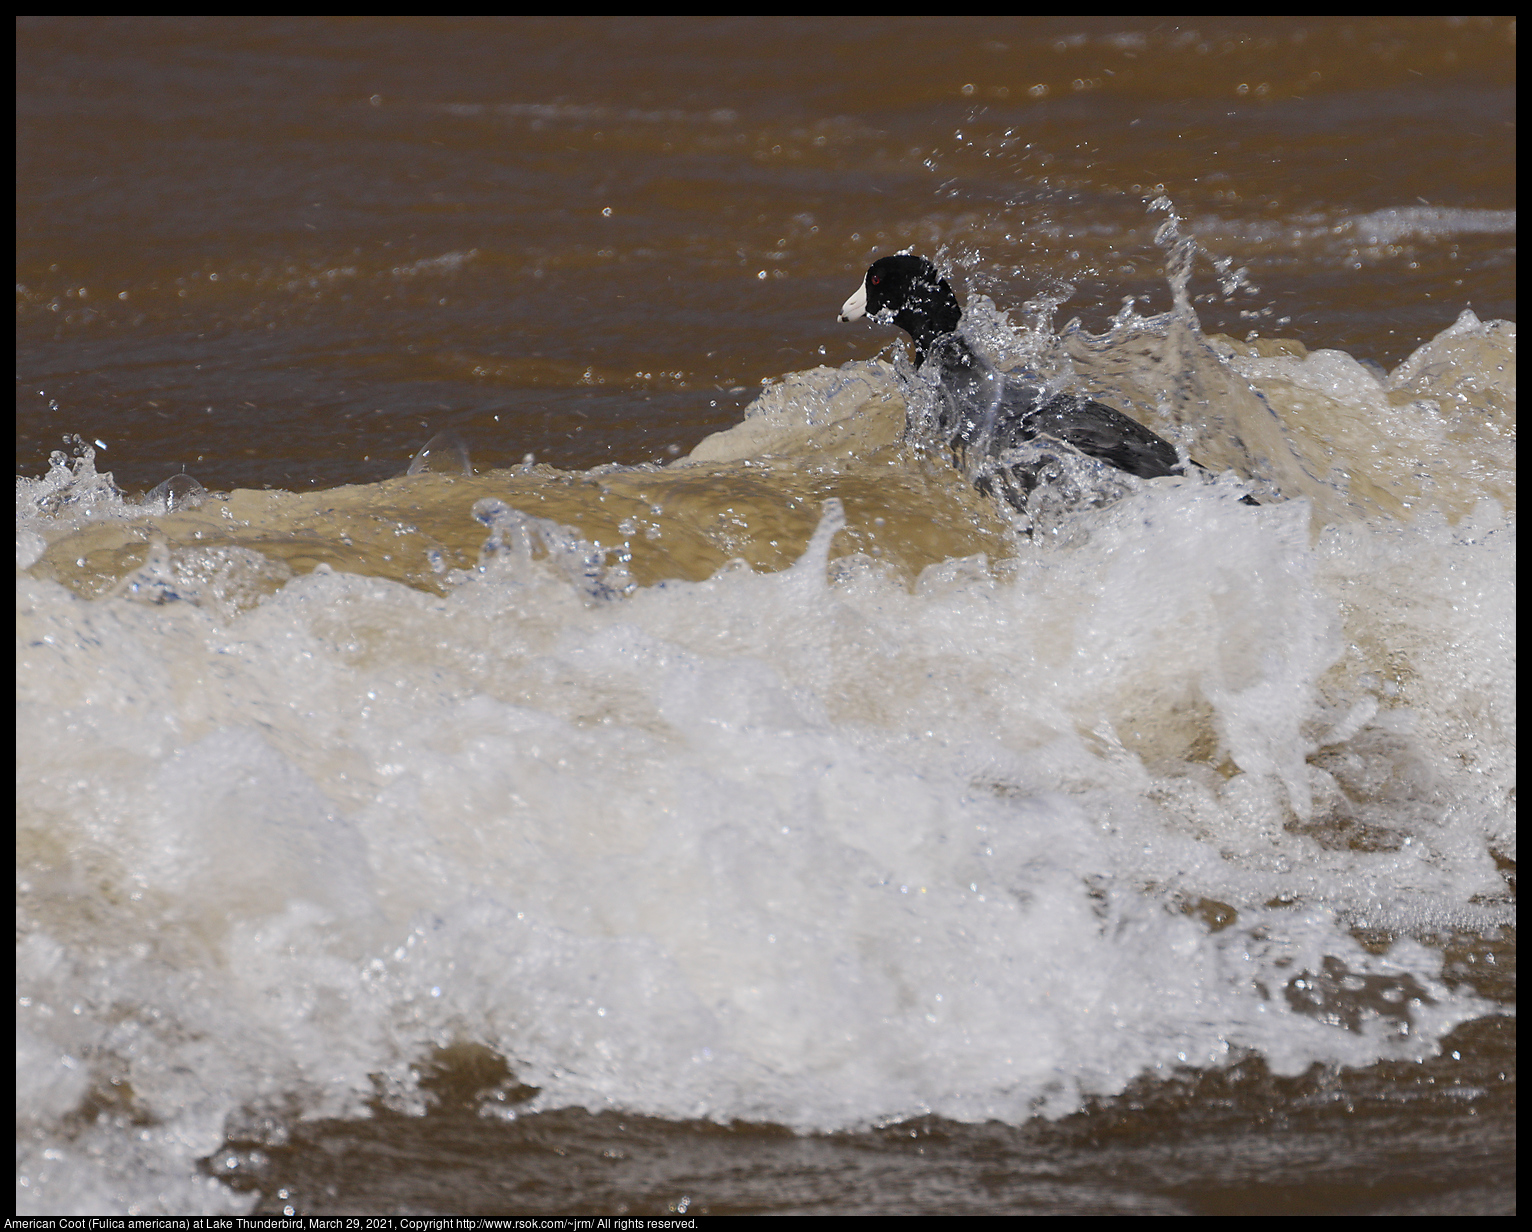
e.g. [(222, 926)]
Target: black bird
[(983, 413)]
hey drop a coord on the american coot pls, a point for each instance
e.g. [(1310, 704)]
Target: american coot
[(985, 414)]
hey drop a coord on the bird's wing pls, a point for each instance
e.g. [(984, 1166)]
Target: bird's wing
[(1098, 431)]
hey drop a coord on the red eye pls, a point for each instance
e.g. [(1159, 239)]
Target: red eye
[(875, 279)]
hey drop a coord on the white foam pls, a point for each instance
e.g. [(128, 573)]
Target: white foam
[(810, 847), (1388, 225)]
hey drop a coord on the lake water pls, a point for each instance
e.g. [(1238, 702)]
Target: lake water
[(683, 792)]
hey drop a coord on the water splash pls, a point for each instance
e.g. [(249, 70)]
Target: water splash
[(519, 543)]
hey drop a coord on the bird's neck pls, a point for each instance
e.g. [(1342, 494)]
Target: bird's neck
[(951, 345), (928, 326)]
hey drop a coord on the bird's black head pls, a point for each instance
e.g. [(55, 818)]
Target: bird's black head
[(909, 291)]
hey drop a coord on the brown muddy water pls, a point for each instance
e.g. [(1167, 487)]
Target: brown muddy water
[(286, 253), (280, 255)]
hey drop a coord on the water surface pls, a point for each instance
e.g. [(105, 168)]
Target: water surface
[(706, 801)]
